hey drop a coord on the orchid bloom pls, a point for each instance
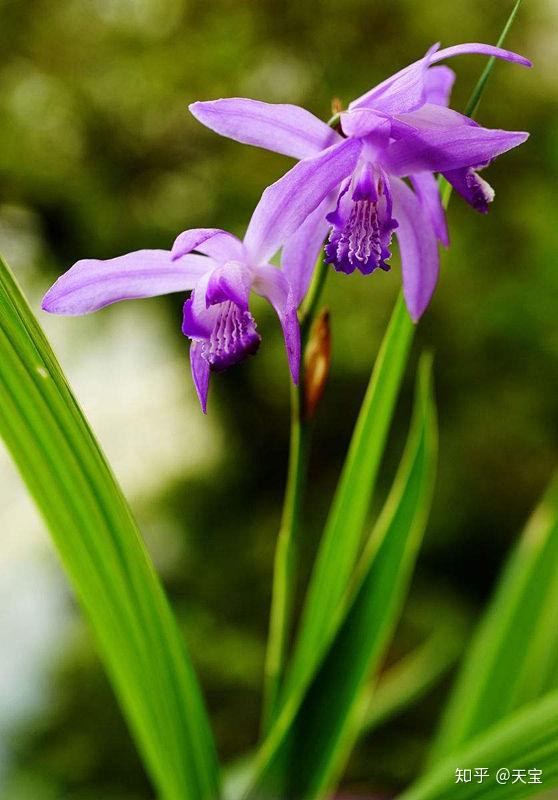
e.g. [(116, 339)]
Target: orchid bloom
[(221, 274), (404, 129)]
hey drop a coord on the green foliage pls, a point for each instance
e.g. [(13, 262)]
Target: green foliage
[(304, 755), (525, 740), (513, 657), (102, 551), (343, 535)]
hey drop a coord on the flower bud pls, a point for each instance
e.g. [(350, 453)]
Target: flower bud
[(317, 359)]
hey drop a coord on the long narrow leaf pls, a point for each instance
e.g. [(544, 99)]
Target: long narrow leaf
[(528, 740), (343, 535), (327, 722), (100, 546), (513, 657)]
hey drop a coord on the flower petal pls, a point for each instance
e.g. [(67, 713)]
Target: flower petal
[(282, 128), (230, 281), (476, 48), (438, 83), (406, 90), (92, 284), (476, 191), (365, 122), (200, 373), (272, 284), (428, 193), (443, 149), (402, 92), (213, 242), (199, 318), (429, 117), (301, 250), (419, 252), (285, 204)]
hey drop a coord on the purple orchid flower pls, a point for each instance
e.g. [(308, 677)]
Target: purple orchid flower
[(404, 129), (222, 273)]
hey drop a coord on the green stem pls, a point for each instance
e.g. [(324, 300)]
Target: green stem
[(284, 573)]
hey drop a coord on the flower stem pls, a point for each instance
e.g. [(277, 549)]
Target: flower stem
[(284, 574)]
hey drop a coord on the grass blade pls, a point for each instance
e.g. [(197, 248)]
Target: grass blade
[(513, 657), (327, 718), (98, 541), (526, 740)]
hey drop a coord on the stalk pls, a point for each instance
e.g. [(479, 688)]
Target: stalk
[(285, 572)]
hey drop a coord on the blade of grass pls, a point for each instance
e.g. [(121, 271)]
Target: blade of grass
[(100, 546), (513, 657), (526, 740), (327, 721)]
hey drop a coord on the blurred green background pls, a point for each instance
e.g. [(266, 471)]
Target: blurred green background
[(99, 156)]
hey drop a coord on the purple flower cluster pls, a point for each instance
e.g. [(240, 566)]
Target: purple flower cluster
[(348, 188)]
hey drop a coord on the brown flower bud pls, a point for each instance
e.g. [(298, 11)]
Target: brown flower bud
[(336, 106), (317, 357)]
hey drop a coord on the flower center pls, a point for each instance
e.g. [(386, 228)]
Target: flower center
[(233, 338), (357, 244), (362, 227)]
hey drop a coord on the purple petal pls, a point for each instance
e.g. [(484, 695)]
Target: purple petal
[(301, 250), (472, 187), (402, 92), (285, 204), (198, 317), (479, 49), (283, 128), (200, 373), (272, 284), (220, 245), (92, 284), (231, 281), (427, 191), (406, 90), (429, 117), (419, 252), (365, 122), (438, 83), (443, 149)]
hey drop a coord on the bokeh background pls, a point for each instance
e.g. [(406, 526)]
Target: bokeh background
[(99, 156)]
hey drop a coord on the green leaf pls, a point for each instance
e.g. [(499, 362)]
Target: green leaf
[(313, 738), (513, 657), (100, 546), (413, 675), (343, 535), (526, 740)]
